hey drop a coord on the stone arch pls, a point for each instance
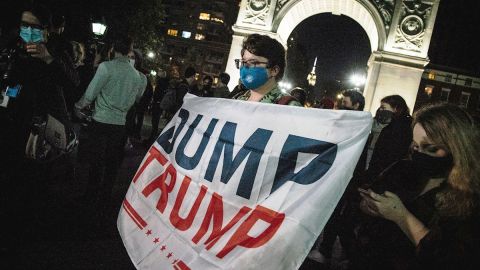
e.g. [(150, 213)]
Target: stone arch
[(363, 12), (399, 32)]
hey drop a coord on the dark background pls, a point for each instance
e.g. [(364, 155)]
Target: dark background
[(338, 41)]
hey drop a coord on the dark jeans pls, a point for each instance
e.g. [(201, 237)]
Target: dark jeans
[(134, 122), (105, 152), (342, 222)]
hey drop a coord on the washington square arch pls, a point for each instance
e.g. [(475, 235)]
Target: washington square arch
[(399, 32)]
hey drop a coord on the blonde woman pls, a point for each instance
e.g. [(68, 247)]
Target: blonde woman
[(442, 223)]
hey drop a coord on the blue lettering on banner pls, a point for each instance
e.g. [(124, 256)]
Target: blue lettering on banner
[(310, 173), (254, 148), (185, 161), (163, 140)]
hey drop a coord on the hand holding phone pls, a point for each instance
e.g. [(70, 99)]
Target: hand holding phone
[(367, 193), (13, 91), (39, 50)]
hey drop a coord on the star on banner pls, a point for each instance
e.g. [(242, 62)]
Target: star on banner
[(156, 240), (169, 255), (148, 232), (163, 248)]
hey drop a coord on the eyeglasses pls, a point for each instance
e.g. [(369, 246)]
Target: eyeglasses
[(36, 26), (249, 63)]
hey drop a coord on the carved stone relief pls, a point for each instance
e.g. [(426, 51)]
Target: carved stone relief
[(280, 5), (411, 29), (386, 9), (257, 12)]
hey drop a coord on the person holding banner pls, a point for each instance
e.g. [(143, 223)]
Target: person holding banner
[(442, 220), (261, 66), (339, 223)]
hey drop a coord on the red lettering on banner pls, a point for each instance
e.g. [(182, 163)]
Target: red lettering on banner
[(185, 223), (153, 154), (241, 237), (159, 183), (213, 217), (180, 265), (215, 213)]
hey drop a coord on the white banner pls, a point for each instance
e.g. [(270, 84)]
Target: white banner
[(239, 185)]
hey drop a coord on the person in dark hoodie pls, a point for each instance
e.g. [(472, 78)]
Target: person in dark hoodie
[(394, 140)]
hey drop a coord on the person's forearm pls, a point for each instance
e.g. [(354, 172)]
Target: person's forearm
[(412, 227)]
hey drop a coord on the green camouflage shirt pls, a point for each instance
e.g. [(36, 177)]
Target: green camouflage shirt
[(271, 97)]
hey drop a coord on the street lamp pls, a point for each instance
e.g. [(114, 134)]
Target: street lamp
[(284, 86), (151, 55), (312, 77), (357, 80)]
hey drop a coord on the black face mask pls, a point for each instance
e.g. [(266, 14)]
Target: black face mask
[(430, 166), (384, 116)]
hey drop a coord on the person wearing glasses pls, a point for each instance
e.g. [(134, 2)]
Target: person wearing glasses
[(33, 78), (37, 77), (262, 65)]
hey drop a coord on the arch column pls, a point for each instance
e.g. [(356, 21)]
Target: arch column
[(400, 32), (231, 69), (392, 74)]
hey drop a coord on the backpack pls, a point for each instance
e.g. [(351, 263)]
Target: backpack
[(173, 98), (169, 100), (49, 139)]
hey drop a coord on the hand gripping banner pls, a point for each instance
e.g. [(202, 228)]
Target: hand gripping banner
[(239, 185)]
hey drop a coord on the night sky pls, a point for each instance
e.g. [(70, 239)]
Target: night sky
[(339, 42), (342, 46)]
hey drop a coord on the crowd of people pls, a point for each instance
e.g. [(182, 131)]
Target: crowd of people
[(412, 202)]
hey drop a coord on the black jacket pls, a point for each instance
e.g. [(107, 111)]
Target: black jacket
[(392, 145), (41, 94)]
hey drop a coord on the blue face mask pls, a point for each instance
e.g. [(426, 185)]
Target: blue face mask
[(29, 34), (253, 77)]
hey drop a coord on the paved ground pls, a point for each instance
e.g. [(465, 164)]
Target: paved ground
[(55, 229)]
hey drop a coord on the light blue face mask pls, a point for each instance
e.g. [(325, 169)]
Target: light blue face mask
[(29, 34), (253, 77)]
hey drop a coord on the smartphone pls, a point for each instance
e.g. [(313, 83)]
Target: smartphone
[(365, 192), (13, 91)]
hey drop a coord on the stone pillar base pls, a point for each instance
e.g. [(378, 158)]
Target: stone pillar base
[(392, 74)]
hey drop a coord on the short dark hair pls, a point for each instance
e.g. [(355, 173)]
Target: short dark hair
[(41, 12), (224, 77), (300, 94), (122, 44), (355, 97), (189, 72), (265, 46), (397, 103)]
